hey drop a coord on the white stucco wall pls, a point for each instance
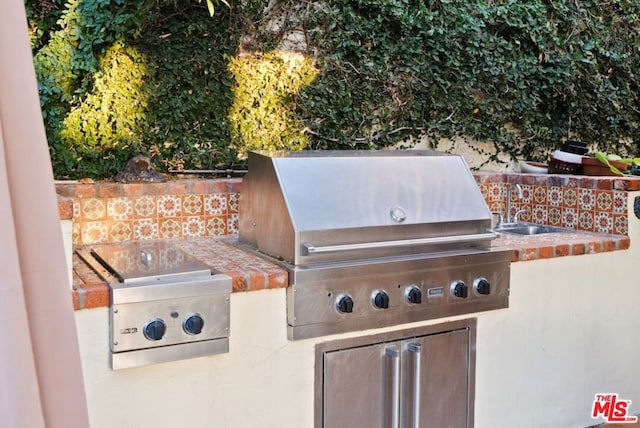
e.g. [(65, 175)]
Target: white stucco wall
[(569, 333), (475, 153)]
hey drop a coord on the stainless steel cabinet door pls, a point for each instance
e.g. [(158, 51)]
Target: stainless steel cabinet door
[(422, 382), (435, 378), (361, 387)]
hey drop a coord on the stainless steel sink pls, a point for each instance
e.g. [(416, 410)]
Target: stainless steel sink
[(531, 229)]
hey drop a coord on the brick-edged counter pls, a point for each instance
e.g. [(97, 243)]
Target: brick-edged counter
[(247, 271), (200, 216)]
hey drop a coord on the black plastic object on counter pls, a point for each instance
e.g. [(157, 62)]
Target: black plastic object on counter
[(576, 147)]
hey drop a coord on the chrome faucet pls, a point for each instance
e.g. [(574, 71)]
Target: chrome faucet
[(507, 217)]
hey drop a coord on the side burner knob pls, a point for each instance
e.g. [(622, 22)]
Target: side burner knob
[(482, 286), (344, 304), (414, 295), (154, 329), (459, 289), (381, 300), (193, 324)]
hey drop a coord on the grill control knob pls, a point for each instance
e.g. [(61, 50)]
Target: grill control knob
[(459, 289), (344, 304), (380, 300), (193, 324), (154, 329), (414, 295), (482, 286)]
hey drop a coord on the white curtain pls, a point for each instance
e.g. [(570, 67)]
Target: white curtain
[(41, 381)]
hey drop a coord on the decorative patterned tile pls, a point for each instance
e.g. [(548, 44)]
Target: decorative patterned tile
[(93, 209), (585, 220), (497, 192), (569, 217), (93, 232), (554, 196), (586, 199), (119, 209), (76, 233), (193, 227), (76, 210), (169, 206), (497, 207), (216, 226), (540, 195), (145, 229), (603, 223), (620, 224), (604, 201), (527, 194), (170, 228), (554, 216), (120, 231), (144, 206), (232, 224), (234, 199), (484, 191), (539, 214), (570, 198), (192, 205), (215, 204), (619, 203)]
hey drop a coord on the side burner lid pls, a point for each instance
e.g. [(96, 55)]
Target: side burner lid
[(148, 261)]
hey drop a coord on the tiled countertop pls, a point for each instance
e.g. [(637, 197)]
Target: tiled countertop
[(546, 246), (250, 272)]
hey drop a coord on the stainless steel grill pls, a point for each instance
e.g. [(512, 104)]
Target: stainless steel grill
[(372, 239), (165, 304)]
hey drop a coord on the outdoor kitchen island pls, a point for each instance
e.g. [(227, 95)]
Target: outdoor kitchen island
[(567, 335)]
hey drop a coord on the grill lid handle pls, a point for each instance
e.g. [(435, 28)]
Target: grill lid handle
[(310, 249)]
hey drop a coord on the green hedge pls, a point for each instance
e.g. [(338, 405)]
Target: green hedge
[(164, 78)]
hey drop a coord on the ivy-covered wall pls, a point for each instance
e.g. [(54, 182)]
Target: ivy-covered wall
[(194, 91)]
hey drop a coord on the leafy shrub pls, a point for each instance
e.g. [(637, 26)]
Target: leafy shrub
[(108, 125), (521, 75), (261, 114)]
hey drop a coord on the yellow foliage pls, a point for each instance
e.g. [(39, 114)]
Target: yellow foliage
[(264, 97)]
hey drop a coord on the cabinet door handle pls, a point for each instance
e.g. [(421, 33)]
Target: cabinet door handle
[(391, 388), (414, 350)]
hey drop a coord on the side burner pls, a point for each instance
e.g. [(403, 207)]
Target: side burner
[(165, 305)]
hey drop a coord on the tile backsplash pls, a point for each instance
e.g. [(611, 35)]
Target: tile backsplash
[(584, 203), (110, 212)]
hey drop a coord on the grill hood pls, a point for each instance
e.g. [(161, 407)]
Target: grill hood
[(309, 207)]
